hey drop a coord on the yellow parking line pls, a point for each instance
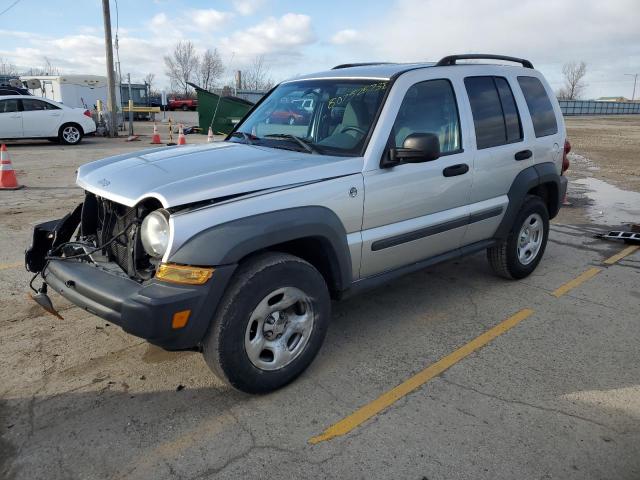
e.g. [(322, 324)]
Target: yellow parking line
[(576, 282), (6, 266), (620, 255), (387, 399)]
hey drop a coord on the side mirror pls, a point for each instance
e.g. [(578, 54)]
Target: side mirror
[(416, 148)]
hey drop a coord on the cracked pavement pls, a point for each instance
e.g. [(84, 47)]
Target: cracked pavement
[(557, 396)]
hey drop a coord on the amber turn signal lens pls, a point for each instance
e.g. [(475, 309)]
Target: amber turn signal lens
[(180, 319), (183, 274)]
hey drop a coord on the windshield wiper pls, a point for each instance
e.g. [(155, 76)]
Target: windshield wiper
[(308, 146), (249, 139)]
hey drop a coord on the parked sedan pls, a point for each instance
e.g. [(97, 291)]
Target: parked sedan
[(290, 115), (34, 117)]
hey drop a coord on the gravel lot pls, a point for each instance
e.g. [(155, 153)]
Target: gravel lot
[(555, 396)]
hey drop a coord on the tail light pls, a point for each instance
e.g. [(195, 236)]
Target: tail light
[(87, 113), (565, 159)]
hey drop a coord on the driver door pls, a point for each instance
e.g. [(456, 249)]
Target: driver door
[(415, 211), (10, 118)]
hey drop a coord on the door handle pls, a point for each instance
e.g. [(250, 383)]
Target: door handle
[(454, 170), (523, 155)]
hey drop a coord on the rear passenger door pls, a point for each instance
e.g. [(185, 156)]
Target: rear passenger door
[(40, 118), (501, 152)]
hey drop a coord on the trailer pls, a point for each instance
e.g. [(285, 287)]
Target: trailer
[(81, 91)]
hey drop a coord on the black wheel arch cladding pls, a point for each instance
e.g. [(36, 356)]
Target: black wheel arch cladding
[(230, 242), (528, 179)]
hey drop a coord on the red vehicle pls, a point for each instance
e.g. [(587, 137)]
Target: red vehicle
[(290, 115), (182, 104)]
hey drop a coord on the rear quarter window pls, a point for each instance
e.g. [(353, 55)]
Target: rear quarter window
[(540, 108)]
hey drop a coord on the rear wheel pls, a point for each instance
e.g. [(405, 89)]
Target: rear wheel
[(70, 134), (519, 255), (270, 323), (185, 108)]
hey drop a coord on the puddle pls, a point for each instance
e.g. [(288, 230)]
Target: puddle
[(608, 205)]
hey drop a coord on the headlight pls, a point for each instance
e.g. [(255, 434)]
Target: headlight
[(154, 233)]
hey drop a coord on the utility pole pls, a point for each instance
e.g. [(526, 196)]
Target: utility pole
[(635, 79), (111, 87)]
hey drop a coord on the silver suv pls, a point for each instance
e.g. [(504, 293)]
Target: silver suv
[(236, 248)]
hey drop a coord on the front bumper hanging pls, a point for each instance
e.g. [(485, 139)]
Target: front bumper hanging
[(144, 309)]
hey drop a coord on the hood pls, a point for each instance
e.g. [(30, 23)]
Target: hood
[(187, 174)]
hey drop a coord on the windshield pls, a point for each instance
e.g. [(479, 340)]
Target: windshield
[(331, 117)]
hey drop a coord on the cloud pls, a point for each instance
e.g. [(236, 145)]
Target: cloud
[(285, 35), (207, 20), (547, 32), (247, 7), (345, 36)]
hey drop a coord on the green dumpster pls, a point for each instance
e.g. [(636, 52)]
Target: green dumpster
[(219, 113)]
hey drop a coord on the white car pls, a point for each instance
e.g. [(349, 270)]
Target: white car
[(23, 116)]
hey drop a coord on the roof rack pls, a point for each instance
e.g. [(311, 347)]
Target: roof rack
[(365, 64), (452, 59)]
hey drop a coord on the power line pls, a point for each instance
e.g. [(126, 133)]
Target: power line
[(9, 7)]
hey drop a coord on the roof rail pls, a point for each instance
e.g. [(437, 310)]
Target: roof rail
[(452, 59), (365, 64)]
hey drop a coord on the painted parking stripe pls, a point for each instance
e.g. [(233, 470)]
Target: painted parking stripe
[(388, 398), (6, 266), (576, 282), (620, 255)]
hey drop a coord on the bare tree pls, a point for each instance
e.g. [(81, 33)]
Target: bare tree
[(210, 68), (574, 84), (181, 66), (47, 69), (7, 68), (148, 79), (257, 75)]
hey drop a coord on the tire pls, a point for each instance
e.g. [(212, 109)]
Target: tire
[(256, 343), (292, 121), (519, 255), (185, 108), (70, 134)]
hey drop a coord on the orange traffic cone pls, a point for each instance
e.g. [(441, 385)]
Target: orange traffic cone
[(181, 138), (8, 180), (155, 138), (210, 135)]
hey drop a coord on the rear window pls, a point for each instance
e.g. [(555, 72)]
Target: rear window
[(29, 105), (540, 108), (494, 110)]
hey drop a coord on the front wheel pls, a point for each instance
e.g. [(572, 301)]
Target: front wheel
[(70, 134), (519, 255), (270, 324), (185, 108)]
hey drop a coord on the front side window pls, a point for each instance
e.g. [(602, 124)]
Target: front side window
[(494, 110), (326, 116), (29, 105), (8, 106), (540, 108), (429, 107)]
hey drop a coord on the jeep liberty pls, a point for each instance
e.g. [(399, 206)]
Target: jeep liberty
[(237, 248)]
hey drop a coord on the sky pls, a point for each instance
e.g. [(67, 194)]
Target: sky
[(297, 37)]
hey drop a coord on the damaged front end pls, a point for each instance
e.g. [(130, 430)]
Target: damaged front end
[(106, 235), (95, 258)]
